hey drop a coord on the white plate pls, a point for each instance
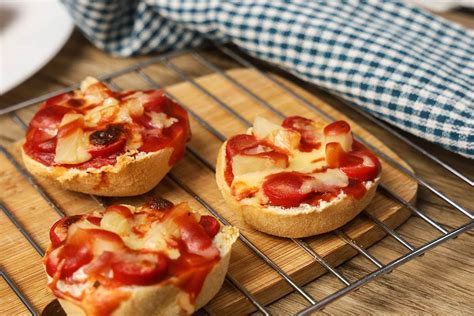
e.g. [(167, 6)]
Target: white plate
[(31, 33)]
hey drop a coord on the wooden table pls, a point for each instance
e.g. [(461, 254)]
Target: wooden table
[(439, 282)]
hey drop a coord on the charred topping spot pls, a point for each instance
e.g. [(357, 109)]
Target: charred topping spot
[(96, 284), (71, 220), (75, 102), (107, 136), (159, 204)]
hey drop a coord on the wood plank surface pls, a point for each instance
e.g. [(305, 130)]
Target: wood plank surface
[(439, 282)]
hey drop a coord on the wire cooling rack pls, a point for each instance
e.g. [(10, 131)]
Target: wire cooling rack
[(314, 305)]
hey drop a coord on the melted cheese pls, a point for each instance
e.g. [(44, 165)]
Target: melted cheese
[(161, 120), (105, 112), (72, 148), (155, 235)]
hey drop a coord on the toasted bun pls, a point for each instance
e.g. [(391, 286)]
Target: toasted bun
[(133, 174), (299, 222), (167, 299)]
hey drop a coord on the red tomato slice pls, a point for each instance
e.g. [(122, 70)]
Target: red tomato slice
[(210, 224), (141, 271), (337, 128), (283, 189), (58, 232), (335, 155)]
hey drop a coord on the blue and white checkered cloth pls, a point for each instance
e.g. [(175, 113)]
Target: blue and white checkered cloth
[(402, 64)]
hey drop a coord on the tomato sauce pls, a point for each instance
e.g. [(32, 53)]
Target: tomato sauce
[(41, 145), (68, 253)]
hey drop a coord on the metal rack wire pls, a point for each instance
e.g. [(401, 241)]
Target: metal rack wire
[(348, 286)]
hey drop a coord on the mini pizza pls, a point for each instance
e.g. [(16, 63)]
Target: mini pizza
[(108, 143), (157, 259), (298, 179)]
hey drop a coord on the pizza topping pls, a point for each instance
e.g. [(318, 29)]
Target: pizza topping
[(106, 136), (284, 188), (128, 246), (310, 137), (272, 166), (159, 204), (210, 225), (243, 164), (246, 154), (327, 181), (58, 232), (276, 135), (91, 127), (141, 270), (71, 147), (361, 165), (339, 132)]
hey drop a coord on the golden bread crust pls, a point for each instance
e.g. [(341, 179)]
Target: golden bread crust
[(131, 175)]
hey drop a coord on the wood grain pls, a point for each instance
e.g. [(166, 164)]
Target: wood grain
[(251, 272), (439, 282)]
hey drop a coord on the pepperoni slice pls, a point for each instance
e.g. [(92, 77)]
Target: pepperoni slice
[(362, 166), (283, 189), (58, 232), (75, 256), (239, 143), (196, 238), (120, 209), (337, 128), (210, 224), (108, 150), (76, 252), (49, 117), (141, 271)]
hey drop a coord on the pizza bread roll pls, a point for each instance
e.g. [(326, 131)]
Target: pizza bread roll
[(298, 179), (101, 142), (157, 259)]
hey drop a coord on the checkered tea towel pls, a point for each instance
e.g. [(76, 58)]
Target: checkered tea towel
[(402, 64)]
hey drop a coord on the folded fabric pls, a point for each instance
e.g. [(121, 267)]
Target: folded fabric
[(402, 64)]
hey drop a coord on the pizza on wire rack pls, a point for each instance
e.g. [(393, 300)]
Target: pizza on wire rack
[(108, 143), (156, 259), (297, 179)]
